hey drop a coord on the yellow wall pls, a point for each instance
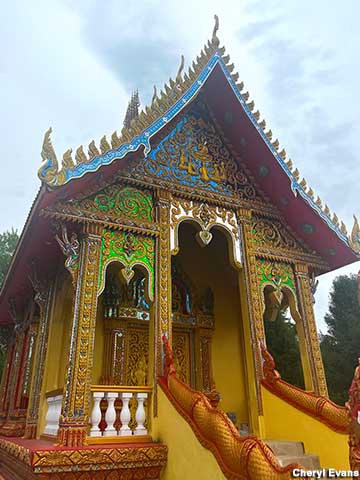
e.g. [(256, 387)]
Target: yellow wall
[(284, 422), (210, 266), (187, 459)]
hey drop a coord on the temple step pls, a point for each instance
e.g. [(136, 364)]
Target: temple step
[(293, 452), (308, 461)]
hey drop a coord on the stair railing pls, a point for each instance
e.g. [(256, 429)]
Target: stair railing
[(238, 457), (317, 406)]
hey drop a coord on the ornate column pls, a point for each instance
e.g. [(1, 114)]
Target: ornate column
[(12, 427), (252, 314), (21, 400), (163, 277), (77, 391), (43, 297), (5, 380), (310, 330)]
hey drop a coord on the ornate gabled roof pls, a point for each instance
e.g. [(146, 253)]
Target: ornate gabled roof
[(176, 95)]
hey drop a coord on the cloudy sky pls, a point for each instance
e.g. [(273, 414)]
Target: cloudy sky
[(73, 64)]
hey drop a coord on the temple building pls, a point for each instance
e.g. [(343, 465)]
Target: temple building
[(140, 290)]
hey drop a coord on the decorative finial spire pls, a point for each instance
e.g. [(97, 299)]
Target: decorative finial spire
[(215, 41), (181, 68), (154, 97), (354, 239), (133, 109), (49, 168)]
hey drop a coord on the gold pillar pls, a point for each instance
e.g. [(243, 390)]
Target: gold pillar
[(310, 330), (6, 379), (21, 401), (44, 298), (12, 426), (77, 390), (253, 326), (163, 265)]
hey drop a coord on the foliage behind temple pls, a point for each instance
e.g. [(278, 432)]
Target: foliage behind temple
[(340, 346)]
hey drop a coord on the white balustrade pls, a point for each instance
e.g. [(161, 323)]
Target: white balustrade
[(53, 414), (110, 415), (140, 416), (96, 415), (125, 414)]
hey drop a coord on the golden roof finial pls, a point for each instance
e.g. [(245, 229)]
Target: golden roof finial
[(154, 97), (68, 162), (48, 171), (354, 239), (47, 150), (215, 40)]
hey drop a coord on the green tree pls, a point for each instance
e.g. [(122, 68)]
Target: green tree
[(283, 344), (340, 346), (8, 242)]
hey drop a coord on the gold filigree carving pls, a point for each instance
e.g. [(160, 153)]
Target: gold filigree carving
[(205, 355), (255, 304), (354, 239), (194, 155), (306, 298), (164, 265), (70, 248), (137, 356), (118, 205), (206, 216), (107, 463), (181, 355), (75, 408), (273, 234)]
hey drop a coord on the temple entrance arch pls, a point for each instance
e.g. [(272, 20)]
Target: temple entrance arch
[(207, 218), (285, 335), (122, 340), (208, 340)]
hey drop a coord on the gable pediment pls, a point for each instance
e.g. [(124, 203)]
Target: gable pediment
[(193, 156), (115, 204)]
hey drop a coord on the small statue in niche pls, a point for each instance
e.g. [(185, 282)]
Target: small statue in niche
[(140, 373)]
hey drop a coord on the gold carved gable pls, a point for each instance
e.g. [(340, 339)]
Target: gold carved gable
[(194, 156), (114, 204), (272, 236)]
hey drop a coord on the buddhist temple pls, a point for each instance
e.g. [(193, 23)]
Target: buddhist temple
[(139, 291)]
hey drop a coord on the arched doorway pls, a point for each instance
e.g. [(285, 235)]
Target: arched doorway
[(208, 339), (122, 351), (285, 336)]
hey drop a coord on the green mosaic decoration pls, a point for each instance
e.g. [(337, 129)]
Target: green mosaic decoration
[(129, 249), (126, 202), (276, 274), (116, 203)]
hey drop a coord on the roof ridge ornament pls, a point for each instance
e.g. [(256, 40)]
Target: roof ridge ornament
[(50, 166), (354, 239), (215, 39), (181, 68)]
